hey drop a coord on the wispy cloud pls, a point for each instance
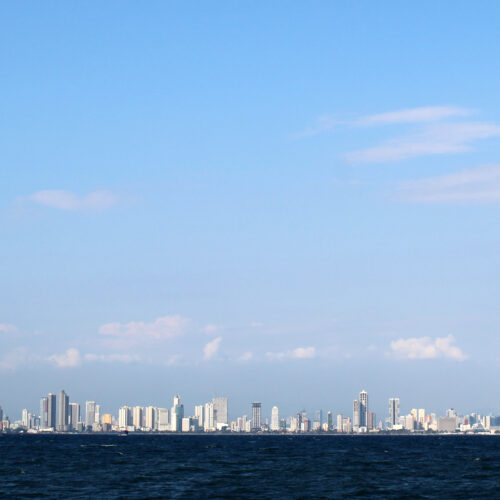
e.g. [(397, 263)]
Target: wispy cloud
[(6, 328), (69, 359), (427, 348), (246, 356), (480, 184), (443, 138), (425, 114), (298, 353), (210, 349), (15, 359), (162, 328), (413, 115), (67, 200), (112, 358)]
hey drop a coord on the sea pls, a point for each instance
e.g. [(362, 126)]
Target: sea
[(249, 466)]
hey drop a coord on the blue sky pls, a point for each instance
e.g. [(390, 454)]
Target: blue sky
[(276, 201)]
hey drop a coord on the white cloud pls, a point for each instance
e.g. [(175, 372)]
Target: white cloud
[(425, 114), (210, 350), (256, 324), (304, 353), (14, 359), (69, 359), (427, 348), (162, 328), (6, 328), (298, 353), (112, 358), (67, 200), (480, 184), (443, 138), (247, 356), (210, 329), (413, 115)]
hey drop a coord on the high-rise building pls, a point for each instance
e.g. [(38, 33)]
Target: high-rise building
[(97, 416), (163, 420), (209, 419), (198, 413), (124, 419), (393, 412), (107, 419), (275, 419), (25, 419), (51, 411), (220, 411), (44, 410), (63, 414), (256, 417), (370, 421), (137, 417), (363, 409), (177, 415), (340, 421), (90, 414), (356, 417), (318, 418), (74, 415), (329, 420), (421, 418), (150, 417)]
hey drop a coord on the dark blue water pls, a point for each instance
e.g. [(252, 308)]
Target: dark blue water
[(235, 466)]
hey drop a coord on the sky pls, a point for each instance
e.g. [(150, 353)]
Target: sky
[(285, 202)]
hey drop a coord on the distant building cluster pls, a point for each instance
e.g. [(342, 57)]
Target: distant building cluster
[(58, 414)]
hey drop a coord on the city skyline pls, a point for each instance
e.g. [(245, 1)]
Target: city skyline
[(61, 415)]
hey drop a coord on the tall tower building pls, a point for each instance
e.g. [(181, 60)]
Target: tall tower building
[(74, 415), (329, 420), (256, 417), (363, 409), (150, 417), (124, 417), (220, 411), (51, 411), (275, 419), (356, 416), (198, 413), (137, 417), (89, 414), (177, 415), (209, 420), (44, 411), (63, 415), (393, 412)]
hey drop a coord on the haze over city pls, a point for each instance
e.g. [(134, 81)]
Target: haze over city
[(283, 203)]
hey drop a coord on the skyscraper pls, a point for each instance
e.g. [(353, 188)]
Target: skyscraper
[(256, 417), (220, 411), (198, 413), (393, 412), (74, 415), (51, 411), (209, 419), (363, 409), (63, 414), (177, 415), (150, 417), (44, 410), (89, 414), (275, 419), (124, 417), (137, 417), (356, 417), (329, 420)]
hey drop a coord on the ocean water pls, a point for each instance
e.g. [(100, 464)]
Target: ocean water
[(249, 466)]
